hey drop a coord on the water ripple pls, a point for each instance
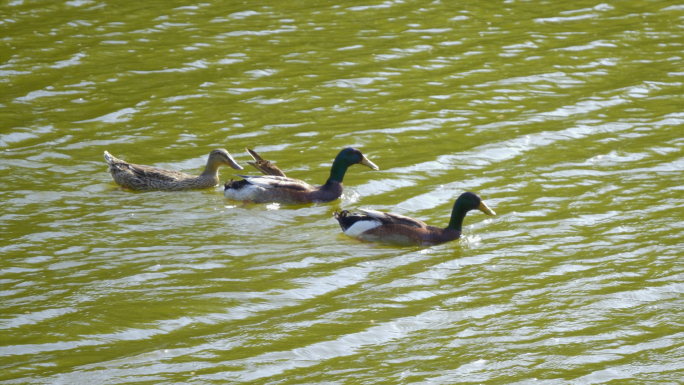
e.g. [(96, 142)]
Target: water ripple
[(565, 119)]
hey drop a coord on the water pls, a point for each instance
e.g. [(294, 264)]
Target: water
[(565, 118)]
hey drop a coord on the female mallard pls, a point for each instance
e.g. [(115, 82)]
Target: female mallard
[(375, 226), (264, 165), (262, 189), (144, 178)]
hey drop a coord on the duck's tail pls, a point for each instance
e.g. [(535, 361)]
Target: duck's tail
[(110, 158), (263, 165)]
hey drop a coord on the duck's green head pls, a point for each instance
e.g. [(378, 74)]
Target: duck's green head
[(466, 202), (348, 157), (351, 156)]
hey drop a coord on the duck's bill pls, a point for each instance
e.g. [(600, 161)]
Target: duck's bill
[(485, 209), (368, 163), (232, 163)]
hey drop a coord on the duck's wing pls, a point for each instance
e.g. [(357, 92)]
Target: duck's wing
[(119, 166), (156, 173), (277, 182), (389, 218), (264, 165)]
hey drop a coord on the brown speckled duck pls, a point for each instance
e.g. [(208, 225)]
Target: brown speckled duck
[(264, 165), (269, 188), (146, 178), (376, 226)]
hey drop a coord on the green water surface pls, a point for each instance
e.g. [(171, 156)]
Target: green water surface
[(566, 117)]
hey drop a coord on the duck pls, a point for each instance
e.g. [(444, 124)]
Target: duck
[(263, 165), (146, 178), (281, 189), (380, 227)]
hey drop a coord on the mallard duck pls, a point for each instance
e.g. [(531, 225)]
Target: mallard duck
[(143, 178), (264, 165), (262, 189), (376, 226)]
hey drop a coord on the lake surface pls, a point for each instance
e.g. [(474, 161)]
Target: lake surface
[(566, 117)]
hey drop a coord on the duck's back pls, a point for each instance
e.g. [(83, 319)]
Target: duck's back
[(402, 234), (265, 189), (146, 178)]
